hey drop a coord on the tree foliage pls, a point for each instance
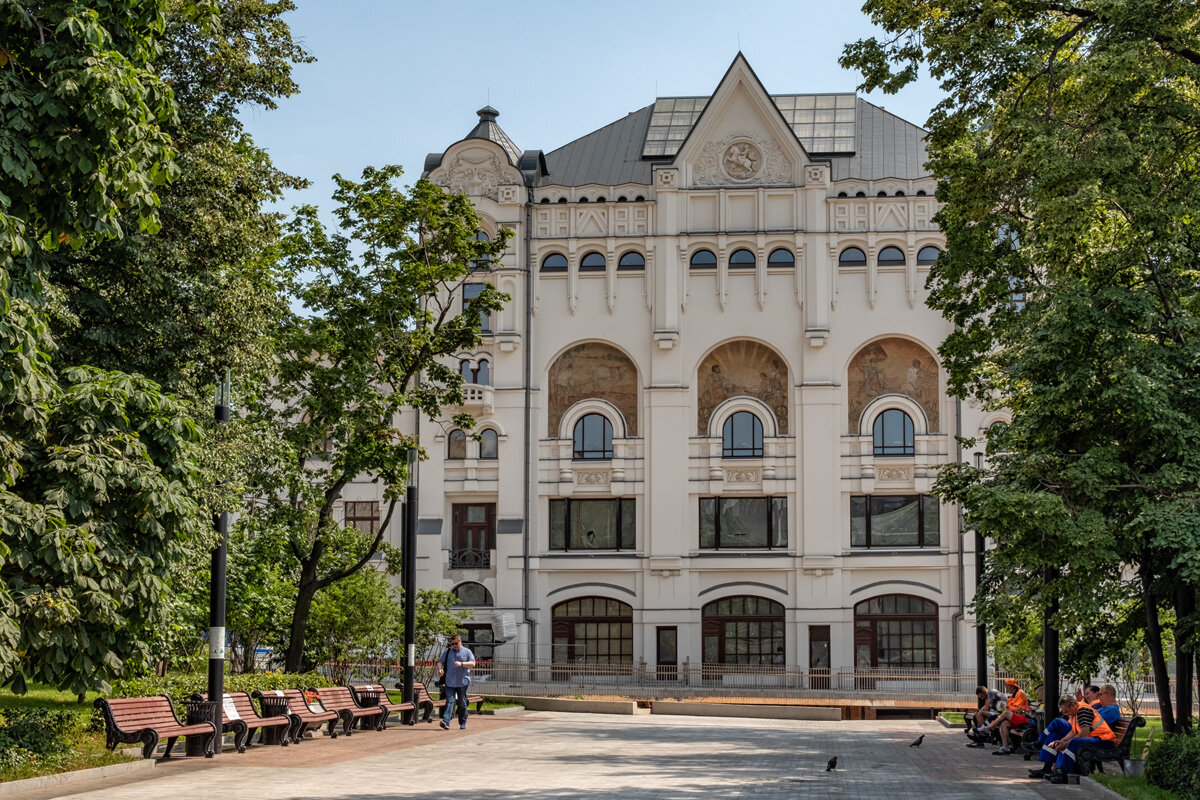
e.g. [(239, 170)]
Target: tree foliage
[(1067, 149), (381, 307)]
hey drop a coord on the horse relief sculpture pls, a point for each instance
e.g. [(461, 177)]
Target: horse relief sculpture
[(893, 366)]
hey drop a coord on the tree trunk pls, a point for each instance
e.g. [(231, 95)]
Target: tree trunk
[(304, 598), (1162, 681), (1185, 608)]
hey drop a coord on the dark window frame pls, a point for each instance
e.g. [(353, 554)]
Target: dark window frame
[(363, 511), (845, 261), (716, 629), (776, 504), (692, 260), (472, 543), (593, 267), (922, 533), (889, 628), (579, 450), (556, 267), (924, 259), (481, 264), (626, 506), (772, 263), (488, 600), (470, 292), (891, 262), (729, 450), (880, 427), (456, 436), (569, 632), (743, 264), (484, 436), (622, 266)]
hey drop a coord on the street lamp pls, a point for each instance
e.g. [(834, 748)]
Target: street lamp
[(216, 610), (980, 630), (408, 577)]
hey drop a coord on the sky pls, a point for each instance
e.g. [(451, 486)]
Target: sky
[(395, 80)]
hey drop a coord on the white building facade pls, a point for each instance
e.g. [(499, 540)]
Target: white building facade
[(712, 412)]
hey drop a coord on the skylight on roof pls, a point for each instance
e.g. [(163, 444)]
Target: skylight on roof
[(824, 123)]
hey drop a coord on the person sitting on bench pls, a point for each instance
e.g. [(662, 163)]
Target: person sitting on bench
[(1018, 713), (1087, 727)]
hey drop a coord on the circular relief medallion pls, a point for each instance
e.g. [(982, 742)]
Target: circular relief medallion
[(741, 160)]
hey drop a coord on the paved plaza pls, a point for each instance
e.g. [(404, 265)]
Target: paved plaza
[(540, 755)]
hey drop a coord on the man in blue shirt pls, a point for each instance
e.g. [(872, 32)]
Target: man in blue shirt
[(455, 665)]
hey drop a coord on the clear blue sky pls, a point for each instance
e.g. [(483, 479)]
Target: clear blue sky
[(395, 80)]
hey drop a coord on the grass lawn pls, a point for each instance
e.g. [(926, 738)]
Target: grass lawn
[(86, 748), (1134, 788), (1153, 727)]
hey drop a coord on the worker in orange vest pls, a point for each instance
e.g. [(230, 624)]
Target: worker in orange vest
[(1087, 727)]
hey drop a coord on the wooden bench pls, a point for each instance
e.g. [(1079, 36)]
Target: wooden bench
[(1089, 756), (427, 704), (302, 714), (375, 693), (341, 700), (245, 720), (129, 720)]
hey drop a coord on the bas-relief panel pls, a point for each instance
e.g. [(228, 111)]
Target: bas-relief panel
[(593, 370), (742, 369), (893, 366)]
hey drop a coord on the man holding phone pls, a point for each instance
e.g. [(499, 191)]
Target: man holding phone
[(455, 666)]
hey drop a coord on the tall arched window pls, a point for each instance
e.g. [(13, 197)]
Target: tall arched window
[(742, 436), (483, 373), (703, 259), (464, 369), (473, 594), (458, 445), (927, 256), (891, 257), (852, 257), (485, 262), (489, 447), (593, 262), (896, 631), (742, 630), (593, 438), (742, 259), (781, 257), (591, 629), (555, 262), (893, 433), (632, 261)]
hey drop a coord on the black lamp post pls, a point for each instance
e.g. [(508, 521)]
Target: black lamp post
[(408, 577), (216, 610), (981, 672)]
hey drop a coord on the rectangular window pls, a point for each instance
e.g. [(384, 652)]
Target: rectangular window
[(363, 515), (592, 524), (743, 522), (894, 521), (470, 292)]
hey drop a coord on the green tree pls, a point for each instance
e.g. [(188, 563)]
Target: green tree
[(381, 309), (1066, 143), (82, 152), (354, 620)]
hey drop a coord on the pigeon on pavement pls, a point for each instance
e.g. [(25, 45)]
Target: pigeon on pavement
[(832, 764), (917, 743)]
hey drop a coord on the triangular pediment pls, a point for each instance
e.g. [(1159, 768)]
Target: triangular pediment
[(741, 139)]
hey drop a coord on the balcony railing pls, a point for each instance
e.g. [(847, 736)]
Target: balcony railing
[(470, 559)]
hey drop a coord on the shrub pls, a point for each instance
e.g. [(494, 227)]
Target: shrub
[(1174, 765), (35, 734)]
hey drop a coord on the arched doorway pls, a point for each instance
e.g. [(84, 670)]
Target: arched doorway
[(592, 630), (742, 629)]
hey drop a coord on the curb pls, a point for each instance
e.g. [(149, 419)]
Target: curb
[(505, 710), (46, 781), (1099, 788)]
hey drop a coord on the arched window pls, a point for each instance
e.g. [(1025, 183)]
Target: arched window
[(742, 630), (742, 436), (593, 629), (593, 262), (891, 257), (545, 201), (473, 594), (483, 373), (485, 262), (899, 193), (703, 259), (555, 262), (593, 438), (927, 256), (458, 446), (781, 257), (896, 631), (893, 433), (742, 259), (632, 260), (488, 444), (860, 194), (852, 257), (464, 369)]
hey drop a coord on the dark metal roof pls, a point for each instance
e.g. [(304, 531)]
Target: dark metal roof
[(490, 130), (609, 156), (886, 147)]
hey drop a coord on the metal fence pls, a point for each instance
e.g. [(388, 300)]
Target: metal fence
[(746, 683)]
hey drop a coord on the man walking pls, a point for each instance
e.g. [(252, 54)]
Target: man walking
[(455, 666)]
